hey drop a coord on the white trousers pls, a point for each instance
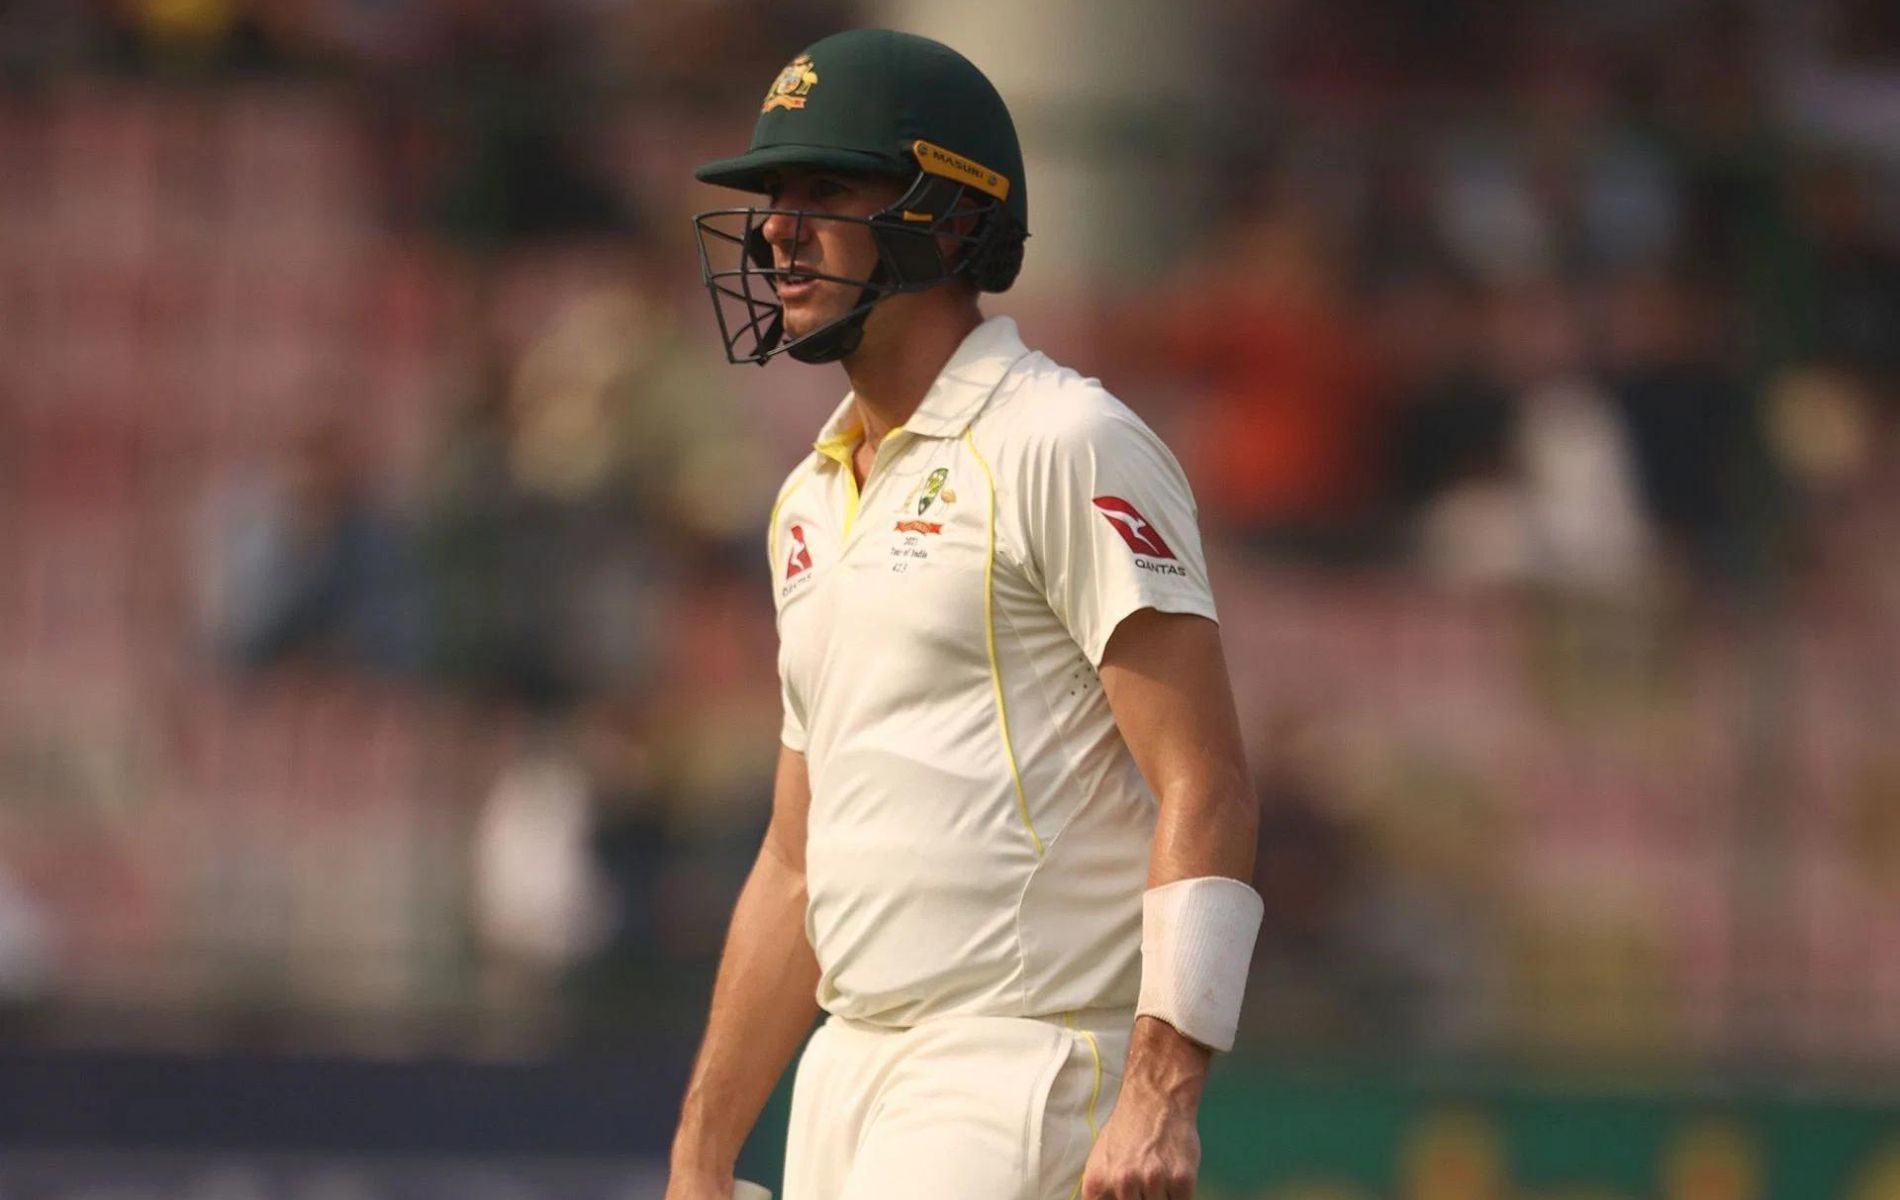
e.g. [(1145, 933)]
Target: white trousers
[(957, 1108)]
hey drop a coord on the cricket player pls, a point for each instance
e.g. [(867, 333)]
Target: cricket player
[(1011, 818)]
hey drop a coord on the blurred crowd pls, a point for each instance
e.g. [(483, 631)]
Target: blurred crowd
[(1547, 294), (384, 651)]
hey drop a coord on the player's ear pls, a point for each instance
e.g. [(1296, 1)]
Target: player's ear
[(953, 239)]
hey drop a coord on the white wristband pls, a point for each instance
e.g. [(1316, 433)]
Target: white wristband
[(1196, 943)]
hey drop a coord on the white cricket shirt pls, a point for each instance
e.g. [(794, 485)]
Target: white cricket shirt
[(979, 833)]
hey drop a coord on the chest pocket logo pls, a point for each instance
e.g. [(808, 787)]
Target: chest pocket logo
[(930, 492), (931, 498)]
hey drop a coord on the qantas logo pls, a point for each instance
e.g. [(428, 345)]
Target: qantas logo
[(1142, 537), (800, 558)]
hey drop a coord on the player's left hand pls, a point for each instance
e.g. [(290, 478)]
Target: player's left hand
[(1150, 1148)]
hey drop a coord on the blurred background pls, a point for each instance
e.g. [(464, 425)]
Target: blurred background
[(387, 699)]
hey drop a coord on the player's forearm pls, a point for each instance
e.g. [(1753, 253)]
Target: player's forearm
[(1207, 824), (762, 1008)]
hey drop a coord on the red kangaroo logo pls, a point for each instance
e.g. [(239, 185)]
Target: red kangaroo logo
[(1142, 537)]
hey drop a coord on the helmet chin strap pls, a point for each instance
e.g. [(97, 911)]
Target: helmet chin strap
[(842, 336)]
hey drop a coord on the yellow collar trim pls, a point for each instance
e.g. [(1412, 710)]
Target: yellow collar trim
[(839, 445)]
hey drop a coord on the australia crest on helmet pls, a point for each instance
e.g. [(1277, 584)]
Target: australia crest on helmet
[(792, 85)]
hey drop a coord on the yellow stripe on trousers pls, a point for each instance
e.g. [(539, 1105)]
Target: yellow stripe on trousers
[(1095, 1094)]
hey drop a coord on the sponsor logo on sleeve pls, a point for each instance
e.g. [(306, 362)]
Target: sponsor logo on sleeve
[(1151, 550), (799, 560)]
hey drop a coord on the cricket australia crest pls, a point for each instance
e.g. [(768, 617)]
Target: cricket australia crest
[(792, 85)]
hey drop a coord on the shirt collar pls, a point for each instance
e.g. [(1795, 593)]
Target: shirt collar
[(960, 391), (964, 385)]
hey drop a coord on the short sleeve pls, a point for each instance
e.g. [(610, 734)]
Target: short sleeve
[(792, 725), (791, 731), (1111, 525)]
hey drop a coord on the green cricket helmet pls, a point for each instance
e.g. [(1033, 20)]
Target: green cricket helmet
[(871, 102)]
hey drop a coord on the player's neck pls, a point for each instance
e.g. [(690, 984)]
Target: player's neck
[(892, 370)]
